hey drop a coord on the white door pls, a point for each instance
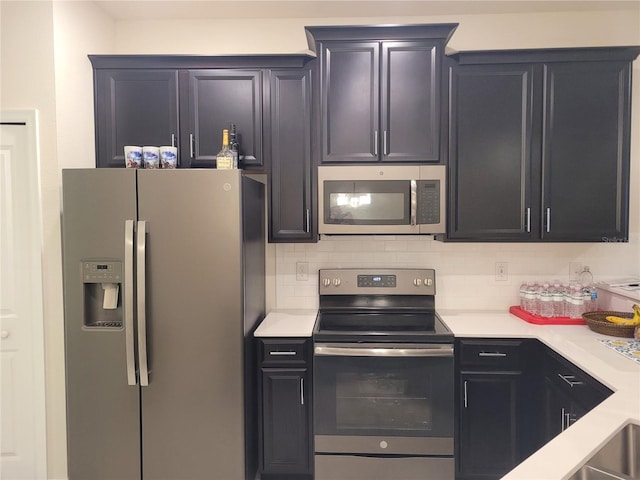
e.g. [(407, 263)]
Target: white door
[(22, 393)]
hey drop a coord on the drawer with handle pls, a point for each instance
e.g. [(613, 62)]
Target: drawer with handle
[(502, 354), (284, 351)]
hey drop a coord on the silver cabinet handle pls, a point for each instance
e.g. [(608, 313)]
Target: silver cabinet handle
[(355, 350), (414, 202), (548, 220), (384, 143), (128, 303), (191, 145), (287, 353), (308, 222), (141, 247), (492, 354), (173, 139), (528, 219), (563, 417), (302, 391), (569, 379), (466, 403), (375, 142)]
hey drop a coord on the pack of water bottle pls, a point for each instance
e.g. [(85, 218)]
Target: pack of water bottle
[(560, 299)]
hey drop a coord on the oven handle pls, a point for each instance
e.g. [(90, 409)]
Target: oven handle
[(356, 350)]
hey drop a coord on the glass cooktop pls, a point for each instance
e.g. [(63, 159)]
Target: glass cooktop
[(391, 326)]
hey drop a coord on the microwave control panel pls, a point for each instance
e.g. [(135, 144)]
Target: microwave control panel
[(428, 202)]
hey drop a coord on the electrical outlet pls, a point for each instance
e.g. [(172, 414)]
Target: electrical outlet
[(502, 272), (575, 269), (302, 271)]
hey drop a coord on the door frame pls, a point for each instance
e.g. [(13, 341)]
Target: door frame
[(29, 118)]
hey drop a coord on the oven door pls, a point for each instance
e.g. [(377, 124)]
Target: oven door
[(391, 399)]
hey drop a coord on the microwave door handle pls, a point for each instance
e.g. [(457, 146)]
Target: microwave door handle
[(414, 202)]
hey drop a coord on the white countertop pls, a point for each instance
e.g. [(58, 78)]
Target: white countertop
[(287, 323), (559, 458)]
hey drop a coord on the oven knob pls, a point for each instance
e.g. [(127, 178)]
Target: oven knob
[(326, 282), (428, 281), (417, 282), (383, 444), (336, 282)]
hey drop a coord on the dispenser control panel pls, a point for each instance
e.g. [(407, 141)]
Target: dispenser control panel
[(102, 272)]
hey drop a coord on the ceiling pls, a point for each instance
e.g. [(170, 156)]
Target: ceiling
[(121, 10)]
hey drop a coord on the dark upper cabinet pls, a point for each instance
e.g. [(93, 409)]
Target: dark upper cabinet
[(380, 92), (350, 101), (490, 152), (539, 145), (183, 100), (585, 151), (288, 150), (216, 99), (134, 107)]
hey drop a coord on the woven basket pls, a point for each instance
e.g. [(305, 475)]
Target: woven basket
[(598, 323)]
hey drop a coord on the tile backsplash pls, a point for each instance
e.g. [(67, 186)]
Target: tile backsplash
[(465, 272)]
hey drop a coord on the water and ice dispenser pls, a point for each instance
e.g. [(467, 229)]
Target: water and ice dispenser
[(102, 293)]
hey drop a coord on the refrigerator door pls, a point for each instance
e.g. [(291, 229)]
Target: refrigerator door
[(193, 408), (103, 420)]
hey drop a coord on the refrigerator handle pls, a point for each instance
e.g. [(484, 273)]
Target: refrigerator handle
[(141, 246), (128, 303)]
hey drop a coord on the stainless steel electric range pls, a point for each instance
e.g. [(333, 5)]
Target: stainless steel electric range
[(383, 377)]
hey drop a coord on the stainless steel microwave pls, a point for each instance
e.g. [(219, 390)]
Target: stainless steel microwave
[(381, 199)]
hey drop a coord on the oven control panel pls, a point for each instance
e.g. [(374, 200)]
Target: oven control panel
[(384, 281)]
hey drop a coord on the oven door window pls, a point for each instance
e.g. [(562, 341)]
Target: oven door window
[(383, 396), (373, 202)]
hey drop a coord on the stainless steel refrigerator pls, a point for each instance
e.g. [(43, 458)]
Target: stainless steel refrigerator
[(163, 286)]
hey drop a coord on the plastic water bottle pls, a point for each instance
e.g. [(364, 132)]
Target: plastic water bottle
[(589, 292), (557, 294), (523, 295), (576, 302), (545, 305), (530, 298)]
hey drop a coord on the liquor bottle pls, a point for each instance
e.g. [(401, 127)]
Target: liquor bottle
[(224, 158), (233, 144)]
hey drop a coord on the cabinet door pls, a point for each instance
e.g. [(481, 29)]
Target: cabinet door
[(218, 98), (410, 106), (586, 151), (490, 138), (350, 101), (487, 424), (560, 410), (134, 107), (289, 152), (285, 422)]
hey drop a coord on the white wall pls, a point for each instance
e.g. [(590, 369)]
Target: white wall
[(37, 34), (28, 82)]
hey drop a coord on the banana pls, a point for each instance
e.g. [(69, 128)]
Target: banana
[(624, 321)]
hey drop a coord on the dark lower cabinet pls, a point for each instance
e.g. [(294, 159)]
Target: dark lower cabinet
[(492, 407), (514, 395), (488, 424), (285, 443), (568, 392)]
